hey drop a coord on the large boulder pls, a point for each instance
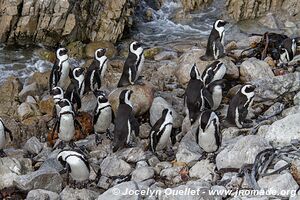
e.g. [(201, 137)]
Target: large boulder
[(10, 169), (253, 69), (92, 47), (72, 194), (191, 5), (112, 166), (118, 192), (41, 194)]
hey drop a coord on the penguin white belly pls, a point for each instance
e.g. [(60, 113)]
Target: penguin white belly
[(63, 81), (140, 67), (2, 136), (66, 128), (103, 70), (220, 73), (165, 139), (237, 118), (79, 170), (217, 98), (207, 139), (104, 121), (129, 132)]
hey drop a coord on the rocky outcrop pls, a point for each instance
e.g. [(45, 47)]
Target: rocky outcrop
[(49, 22), (250, 9), (190, 5)]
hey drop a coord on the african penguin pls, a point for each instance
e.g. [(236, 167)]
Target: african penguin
[(215, 43), (57, 94), (213, 72), (160, 134), (125, 122), (287, 50), (215, 88), (75, 163), (95, 72), (103, 114), (133, 65), (60, 70), (208, 134), (239, 106), (4, 132)]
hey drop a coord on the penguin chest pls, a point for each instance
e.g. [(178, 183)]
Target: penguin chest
[(217, 98), (2, 136), (219, 74), (207, 139), (66, 127), (79, 170), (164, 139), (129, 132), (104, 120), (65, 68)]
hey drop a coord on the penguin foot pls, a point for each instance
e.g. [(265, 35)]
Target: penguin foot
[(72, 144), (130, 145), (98, 139), (2, 153), (108, 134)]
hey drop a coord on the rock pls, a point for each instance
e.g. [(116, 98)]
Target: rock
[(46, 105), (165, 55), (118, 192), (92, 47), (40, 194), (158, 105), (243, 151), (170, 173), (233, 132), (151, 52), (145, 131), (74, 194), (141, 98), (191, 5), (76, 49), (25, 111), (203, 170), (231, 46), (289, 126), (112, 166), (253, 69), (28, 90), (104, 182), (30, 100), (132, 155), (297, 99), (41, 79), (290, 111), (88, 103), (142, 173), (33, 146), (279, 183), (9, 91), (272, 88), (269, 21), (188, 149), (47, 178), (232, 71), (10, 169)]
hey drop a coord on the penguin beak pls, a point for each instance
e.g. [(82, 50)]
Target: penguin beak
[(104, 50)]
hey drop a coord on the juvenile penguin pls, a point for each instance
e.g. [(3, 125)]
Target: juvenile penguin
[(287, 50), (4, 132), (76, 165), (60, 70), (160, 134), (96, 71), (103, 115), (215, 88), (215, 43), (133, 65), (208, 134), (239, 106), (125, 123), (213, 72)]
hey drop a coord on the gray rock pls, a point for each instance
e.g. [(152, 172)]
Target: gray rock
[(243, 151), (142, 173), (88, 102), (113, 166), (30, 100), (10, 169), (268, 21), (40, 194), (289, 125), (25, 111), (104, 182), (290, 111), (253, 69), (274, 109), (279, 182), (48, 179), (297, 99), (33, 145), (232, 71), (272, 88), (132, 155), (118, 192), (233, 132), (74, 194), (145, 131), (203, 170), (29, 90), (165, 55), (153, 161), (141, 163), (170, 173), (158, 105), (220, 189)]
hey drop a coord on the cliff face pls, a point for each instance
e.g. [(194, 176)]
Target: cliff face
[(191, 5), (50, 21), (250, 9)]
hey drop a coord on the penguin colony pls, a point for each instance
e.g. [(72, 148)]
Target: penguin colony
[(202, 98)]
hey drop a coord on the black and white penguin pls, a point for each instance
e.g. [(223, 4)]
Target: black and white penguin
[(96, 71), (60, 71), (287, 50), (125, 122), (239, 106), (160, 134), (57, 94), (76, 165), (196, 97), (208, 134), (213, 72), (103, 115), (215, 43), (4, 132), (215, 88), (133, 65)]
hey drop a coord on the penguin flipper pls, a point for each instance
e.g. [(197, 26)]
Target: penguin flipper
[(77, 99), (96, 115), (173, 136), (153, 140), (208, 97), (9, 132), (98, 79), (77, 123), (135, 124)]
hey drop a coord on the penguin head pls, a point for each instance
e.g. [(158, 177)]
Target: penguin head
[(77, 72), (100, 95), (57, 93), (62, 54), (167, 113), (99, 53), (219, 26), (194, 74), (136, 48), (124, 97), (248, 90), (65, 103)]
